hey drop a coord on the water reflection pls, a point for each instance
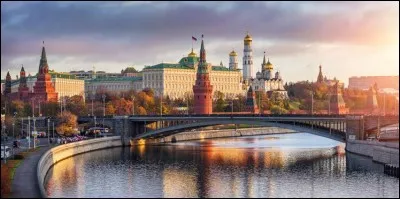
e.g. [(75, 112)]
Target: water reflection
[(260, 166)]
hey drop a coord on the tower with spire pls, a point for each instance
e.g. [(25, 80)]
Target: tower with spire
[(320, 78), (247, 58), (23, 89), (7, 89), (338, 106), (251, 105), (233, 61), (202, 89), (44, 89), (372, 102)]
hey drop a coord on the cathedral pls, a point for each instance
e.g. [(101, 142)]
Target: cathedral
[(269, 82)]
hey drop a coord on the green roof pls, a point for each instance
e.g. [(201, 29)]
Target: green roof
[(61, 75), (189, 61), (167, 65), (112, 79), (220, 68), (130, 70)]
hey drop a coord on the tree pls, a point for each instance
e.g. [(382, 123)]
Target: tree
[(67, 124), (76, 105), (50, 109), (141, 111), (110, 109)]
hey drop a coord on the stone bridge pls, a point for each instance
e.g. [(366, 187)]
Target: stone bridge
[(342, 127)]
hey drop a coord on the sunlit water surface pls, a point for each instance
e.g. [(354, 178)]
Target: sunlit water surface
[(289, 165)]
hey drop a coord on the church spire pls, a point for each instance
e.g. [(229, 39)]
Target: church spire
[(202, 51), (43, 66), (264, 59), (320, 78)]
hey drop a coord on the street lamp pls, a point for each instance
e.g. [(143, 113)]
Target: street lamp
[(329, 104), (34, 129), (53, 133), (29, 131), (384, 103), (161, 105), (92, 97), (312, 102), (133, 105), (48, 130), (104, 103)]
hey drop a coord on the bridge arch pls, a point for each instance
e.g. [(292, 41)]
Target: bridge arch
[(171, 130)]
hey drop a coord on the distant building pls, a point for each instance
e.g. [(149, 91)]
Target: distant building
[(112, 84), (329, 82), (130, 72), (365, 82)]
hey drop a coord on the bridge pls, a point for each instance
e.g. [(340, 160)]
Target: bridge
[(338, 127)]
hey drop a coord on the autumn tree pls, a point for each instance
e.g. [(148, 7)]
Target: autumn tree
[(76, 105), (67, 124)]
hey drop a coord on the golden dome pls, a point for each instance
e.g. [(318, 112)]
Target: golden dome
[(192, 54), (248, 38), (233, 53), (269, 65)]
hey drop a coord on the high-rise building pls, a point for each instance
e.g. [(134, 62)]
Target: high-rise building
[(202, 88), (247, 58)]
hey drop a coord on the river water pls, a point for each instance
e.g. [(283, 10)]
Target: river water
[(287, 165)]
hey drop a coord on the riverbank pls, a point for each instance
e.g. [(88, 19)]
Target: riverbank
[(59, 153), (385, 153)]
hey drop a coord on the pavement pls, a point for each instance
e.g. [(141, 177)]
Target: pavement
[(25, 184)]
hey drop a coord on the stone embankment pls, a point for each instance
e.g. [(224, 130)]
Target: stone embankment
[(382, 152), (59, 153)]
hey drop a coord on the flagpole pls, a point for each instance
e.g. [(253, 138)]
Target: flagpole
[(192, 42)]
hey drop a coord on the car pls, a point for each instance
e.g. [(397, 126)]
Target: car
[(5, 152)]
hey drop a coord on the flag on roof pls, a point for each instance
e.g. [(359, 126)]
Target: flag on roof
[(194, 38)]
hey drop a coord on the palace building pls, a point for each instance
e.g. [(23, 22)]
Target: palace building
[(176, 80)]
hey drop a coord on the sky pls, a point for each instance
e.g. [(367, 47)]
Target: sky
[(346, 38)]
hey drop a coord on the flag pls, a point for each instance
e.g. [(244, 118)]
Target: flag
[(194, 38)]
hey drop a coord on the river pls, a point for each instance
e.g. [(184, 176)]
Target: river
[(286, 165)]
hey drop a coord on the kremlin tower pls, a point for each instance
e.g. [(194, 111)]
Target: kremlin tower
[(247, 58), (337, 103), (44, 89), (202, 89), (23, 89), (251, 105)]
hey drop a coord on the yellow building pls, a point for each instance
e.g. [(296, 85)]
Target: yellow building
[(176, 80)]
